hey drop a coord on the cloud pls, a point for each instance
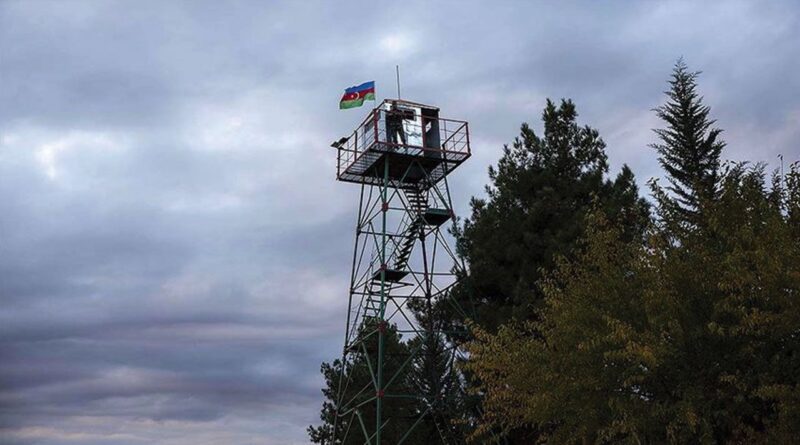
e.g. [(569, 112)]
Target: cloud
[(174, 248)]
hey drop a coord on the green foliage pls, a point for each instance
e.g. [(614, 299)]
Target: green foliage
[(690, 334), (433, 377), (416, 367), (696, 341), (540, 193), (689, 147), (594, 324), (359, 387)]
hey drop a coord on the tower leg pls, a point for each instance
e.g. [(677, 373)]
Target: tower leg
[(397, 276), (381, 319)]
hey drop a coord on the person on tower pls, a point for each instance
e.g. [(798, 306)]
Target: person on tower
[(394, 123)]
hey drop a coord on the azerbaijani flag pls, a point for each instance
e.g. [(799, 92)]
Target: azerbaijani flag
[(355, 96)]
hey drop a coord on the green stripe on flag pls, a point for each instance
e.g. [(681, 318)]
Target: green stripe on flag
[(345, 104)]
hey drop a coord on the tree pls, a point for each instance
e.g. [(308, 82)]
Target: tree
[(540, 193), (689, 342), (689, 147), (427, 373), (434, 377), (359, 386)]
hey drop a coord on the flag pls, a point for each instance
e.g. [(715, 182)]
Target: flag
[(355, 96)]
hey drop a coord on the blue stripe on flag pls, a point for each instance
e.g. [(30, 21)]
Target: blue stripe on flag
[(363, 86)]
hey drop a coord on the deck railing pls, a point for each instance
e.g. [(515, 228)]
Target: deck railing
[(418, 138)]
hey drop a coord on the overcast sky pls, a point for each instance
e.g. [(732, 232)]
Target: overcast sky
[(173, 246)]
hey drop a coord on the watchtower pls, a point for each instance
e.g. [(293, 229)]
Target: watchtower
[(402, 268)]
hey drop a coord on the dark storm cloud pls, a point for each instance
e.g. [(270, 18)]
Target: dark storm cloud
[(173, 248)]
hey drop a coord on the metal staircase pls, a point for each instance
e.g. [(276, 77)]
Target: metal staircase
[(372, 304), (419, 216), (417, 202)]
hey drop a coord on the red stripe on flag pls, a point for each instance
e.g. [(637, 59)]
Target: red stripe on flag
[(357, 95), (363, 93)]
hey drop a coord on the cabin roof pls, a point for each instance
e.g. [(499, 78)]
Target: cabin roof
[(410, 103)]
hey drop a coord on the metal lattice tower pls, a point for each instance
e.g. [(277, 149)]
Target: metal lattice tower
[(403, 267)]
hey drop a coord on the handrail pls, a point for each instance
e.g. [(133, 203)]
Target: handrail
[(463, 125), (373, 131)]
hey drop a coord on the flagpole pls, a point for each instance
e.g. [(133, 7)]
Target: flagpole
[(397, 70)]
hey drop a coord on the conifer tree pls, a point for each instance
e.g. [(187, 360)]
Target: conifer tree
[(417, 366), (358, 386), (658, 342), (540, 193), (689, 148)]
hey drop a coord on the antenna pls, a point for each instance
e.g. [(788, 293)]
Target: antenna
[(397, 70)]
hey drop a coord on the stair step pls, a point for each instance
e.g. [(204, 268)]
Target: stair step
[(436, 217), (392, 275)]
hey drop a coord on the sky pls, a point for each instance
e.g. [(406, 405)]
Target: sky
[(174, 248)]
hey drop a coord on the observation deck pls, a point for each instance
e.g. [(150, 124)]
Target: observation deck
[(421, 147)]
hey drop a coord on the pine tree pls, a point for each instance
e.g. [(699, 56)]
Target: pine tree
[(434, 377), (358, 386), (662, 342), (541, 191), (689, 148), (422, 367)]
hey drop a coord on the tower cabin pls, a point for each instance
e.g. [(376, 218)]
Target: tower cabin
[(404, 145), (407, 146)]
